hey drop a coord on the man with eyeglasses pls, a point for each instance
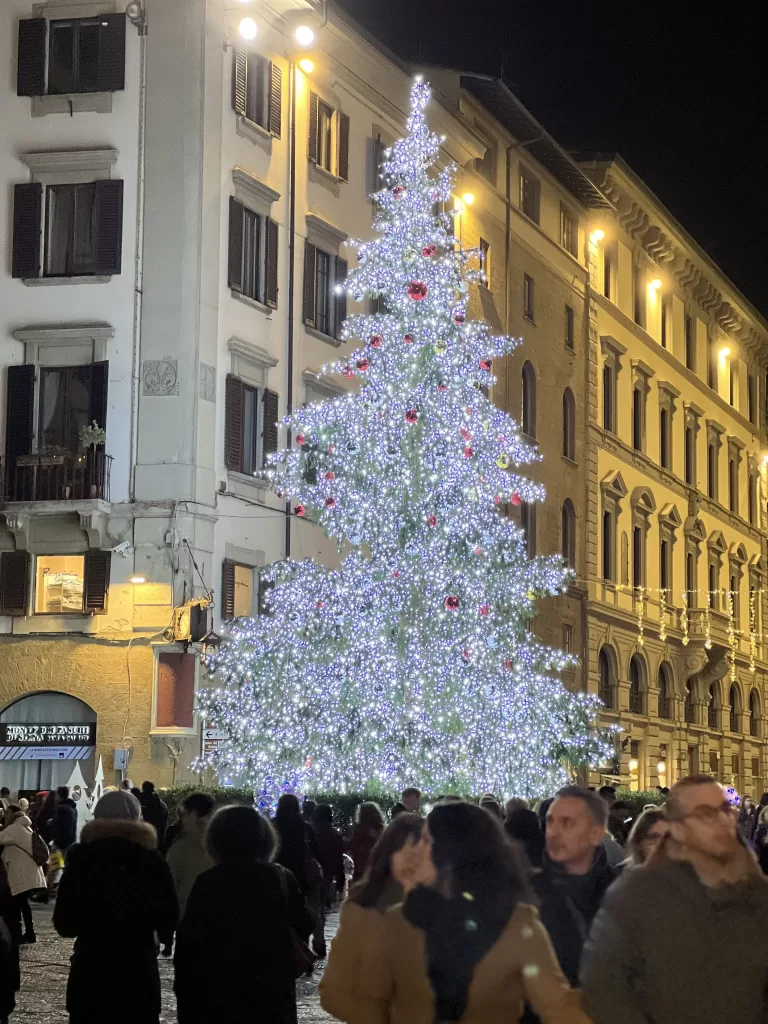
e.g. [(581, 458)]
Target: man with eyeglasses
[(674, 933)]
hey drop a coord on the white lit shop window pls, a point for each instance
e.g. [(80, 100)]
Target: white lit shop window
[(243, 590), (175, 692), (59, 584)]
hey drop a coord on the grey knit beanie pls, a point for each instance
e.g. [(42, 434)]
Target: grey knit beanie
[(118, 804)]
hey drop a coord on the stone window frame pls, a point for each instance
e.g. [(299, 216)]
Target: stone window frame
[(250, 363), (692, 415), (736, 449), (613, 491), (735, 709), (319, 388), (716, 549), (171, 731), (753, 489), (643, 505), (758, 579), (715, 433), (641, 384), (330, 239), (247, 558), (695, 535), (737, 560), (669, 523), (668, 396), (259, 199), (612, 351)]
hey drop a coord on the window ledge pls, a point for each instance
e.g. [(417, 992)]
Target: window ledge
[(529, 319), (253, 132), (570, 349), (569, 462), (251, 481), (325, 178), (43, 282), (172, 730), (253, 303), (72, 103), (314, 333)]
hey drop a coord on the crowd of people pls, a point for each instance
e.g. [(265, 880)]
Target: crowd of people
[(571, 911)]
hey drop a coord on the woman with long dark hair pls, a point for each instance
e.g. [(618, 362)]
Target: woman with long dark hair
[(392, 871), (648, 832), (467, 945), (368, 828)]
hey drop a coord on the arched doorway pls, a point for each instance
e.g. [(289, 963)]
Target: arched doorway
[(53, 730)]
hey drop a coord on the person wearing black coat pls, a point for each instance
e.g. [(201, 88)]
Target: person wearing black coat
[(116, 893), (235, 958), (154, 811), (63, 823), (298, 845), (10, 975)]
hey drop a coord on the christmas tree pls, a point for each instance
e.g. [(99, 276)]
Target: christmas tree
[(413, 663)]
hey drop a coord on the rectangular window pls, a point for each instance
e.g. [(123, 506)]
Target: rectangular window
[(712, 471), (243, 591), (733, 485), (637, 419), (690, 456), (569, 327), (664, 574), (664, 439), (607, 545), (84, 55), (752, 398), (256, 89), (638, 289), (714, 586), (486, 164), (567, 644), (608, 420), (735, 757), (529, 197), (250, 426), (607, 272), (751, 502), (485, 260), (690, 578), (528, 297), (638, 559), (253, 261), (665, 322), (568, 231), (732, 373), (70, 245), (66, 406), (323, 293), (690, 343), (175, 691), (59, 584), (325, 308), (325, 136), (711, 364)]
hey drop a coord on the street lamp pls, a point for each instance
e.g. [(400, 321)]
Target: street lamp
[(304, 35), (248, 29), (306, 65)]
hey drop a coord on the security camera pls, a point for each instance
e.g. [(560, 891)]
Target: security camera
[(123, 549)]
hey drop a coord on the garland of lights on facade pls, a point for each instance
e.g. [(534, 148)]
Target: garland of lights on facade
[(412, 663)]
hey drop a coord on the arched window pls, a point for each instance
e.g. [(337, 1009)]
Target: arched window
[(665, 693), (754, 713), (568, 532), (636, 674), (734, 698), (529, 399), (569, 425), (689, 708), (605, 687), (713, 708)]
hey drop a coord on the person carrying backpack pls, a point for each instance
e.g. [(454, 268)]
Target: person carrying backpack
[(22, 850)]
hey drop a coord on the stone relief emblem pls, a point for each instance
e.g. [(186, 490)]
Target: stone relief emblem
[(160, 377), (207, 383)]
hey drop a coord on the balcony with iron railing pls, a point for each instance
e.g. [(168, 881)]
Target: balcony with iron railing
[(56, 477)]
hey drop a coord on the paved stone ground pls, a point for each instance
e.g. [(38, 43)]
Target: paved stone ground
[(45, 966)]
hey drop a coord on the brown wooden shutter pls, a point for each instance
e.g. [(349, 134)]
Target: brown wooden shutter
[(340, 298), (98, 401), (344, 147), (239, 78), (275, 98), (30, 66), (96, 584), (112, 52), (227, 589), (314, 111), (14, 582), (27, 223), (310, 261), (19, 416), (233, 424), (269, 420), (377, 158), (235, 264), (270, 260), (109, 227)]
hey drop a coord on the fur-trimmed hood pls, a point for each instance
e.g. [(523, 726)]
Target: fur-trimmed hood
[(117, 828)]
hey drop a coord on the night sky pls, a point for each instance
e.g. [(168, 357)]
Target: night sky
[(682, 99)]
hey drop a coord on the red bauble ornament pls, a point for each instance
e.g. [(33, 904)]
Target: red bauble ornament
[(318, 604), (408, 339), (466, 655), (459, 316), (363, 364), (466, 434), (497, 499), (398, 191), (516, 499), (451, 603), (376, 341), (442, 386), (331, 449), (396, 574), (300, 439), (429, 250), (280, 493), (484, 609), (485, 364), (468, 452), (417, 291), (432, 520), (330, 475), (298, 510), (411, 416), (508, 665), (478, 551), (348, 372), (330, 502)]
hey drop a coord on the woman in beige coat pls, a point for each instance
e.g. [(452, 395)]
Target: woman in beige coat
[(468, 946), (24, 876), (390, 874)]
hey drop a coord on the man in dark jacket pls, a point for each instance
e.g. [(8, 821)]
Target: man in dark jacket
[(63, 824), (154, 811), (671, 931), (575, 872)]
